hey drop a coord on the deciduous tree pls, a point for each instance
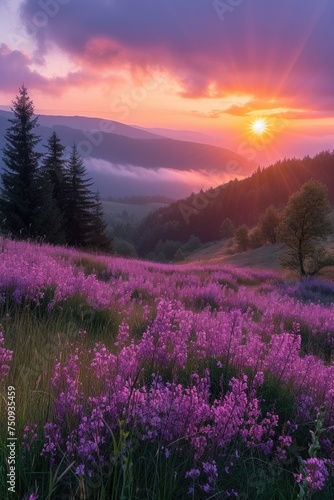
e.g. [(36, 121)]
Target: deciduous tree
[(241, 237), (268, 224), (305, 224)]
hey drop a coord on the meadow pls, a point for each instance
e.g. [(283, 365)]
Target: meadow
[(137, 380)]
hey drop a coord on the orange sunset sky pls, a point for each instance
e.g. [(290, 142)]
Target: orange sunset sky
[(203, 65)]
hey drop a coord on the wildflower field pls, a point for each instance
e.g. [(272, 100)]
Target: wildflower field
[(136, 380)]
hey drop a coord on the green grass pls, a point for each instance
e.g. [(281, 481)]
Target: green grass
[(316, 343), (91, 266), (219, 252), (139, 294), (228, 284), (140, 470), (38, 338)]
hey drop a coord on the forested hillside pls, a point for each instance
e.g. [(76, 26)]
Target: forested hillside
[(241, 201)]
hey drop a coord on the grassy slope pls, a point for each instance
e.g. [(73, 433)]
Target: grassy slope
[(267, 256), (217, 253), (264, 257)]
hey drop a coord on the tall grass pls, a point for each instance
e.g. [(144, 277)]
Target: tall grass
[(166, 381)]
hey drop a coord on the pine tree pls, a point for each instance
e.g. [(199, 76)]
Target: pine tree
[(226, 229), (99, 238), (19, 203), (179, 256), (79, 203), (54, 167), (53, 182), (48, 219)]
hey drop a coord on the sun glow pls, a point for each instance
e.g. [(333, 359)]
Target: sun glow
[(259, 126)]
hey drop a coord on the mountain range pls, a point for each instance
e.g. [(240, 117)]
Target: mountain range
[(126, 160)]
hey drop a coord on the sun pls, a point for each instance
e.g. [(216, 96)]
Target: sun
[(259, 126)]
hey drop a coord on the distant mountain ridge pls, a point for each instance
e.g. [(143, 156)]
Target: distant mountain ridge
[(187, 135), (242, 201), (85, 123), (100, 124), (122, 144)]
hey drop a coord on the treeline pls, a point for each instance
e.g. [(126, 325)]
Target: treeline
[(45, 196), (242, 202)]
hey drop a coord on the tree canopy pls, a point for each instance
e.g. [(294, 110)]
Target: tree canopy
[(268, 224), (242, 237), (304, 225)]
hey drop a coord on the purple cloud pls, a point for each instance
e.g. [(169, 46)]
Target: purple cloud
[(268, 49), (14, 69)]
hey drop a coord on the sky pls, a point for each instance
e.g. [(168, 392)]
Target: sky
[(212, 66)]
